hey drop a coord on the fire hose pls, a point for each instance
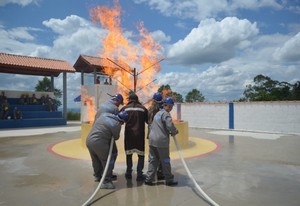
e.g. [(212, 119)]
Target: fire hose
[(204, 195), (103, 175)]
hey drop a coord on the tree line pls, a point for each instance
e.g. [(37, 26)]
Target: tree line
[(263, 89)]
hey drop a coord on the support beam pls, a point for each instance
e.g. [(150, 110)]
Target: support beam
[(65, 108)]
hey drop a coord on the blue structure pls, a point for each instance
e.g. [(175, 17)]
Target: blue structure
[(33, 116), (231, 115)]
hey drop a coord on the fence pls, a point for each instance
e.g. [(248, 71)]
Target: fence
[(274, 117)]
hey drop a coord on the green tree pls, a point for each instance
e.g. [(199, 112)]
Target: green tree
[(266, 89), (295, 93), (194, 96), (45, 86), (177, 97), (165, 90)]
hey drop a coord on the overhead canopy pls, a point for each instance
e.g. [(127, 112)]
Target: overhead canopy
[(17, 64), (89, 64)]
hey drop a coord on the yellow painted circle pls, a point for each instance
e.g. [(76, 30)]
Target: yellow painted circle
[(73, 149)]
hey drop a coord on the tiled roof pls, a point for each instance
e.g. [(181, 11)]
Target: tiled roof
[(88, 64), (17, 64)]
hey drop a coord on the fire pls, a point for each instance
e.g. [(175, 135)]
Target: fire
[(88, 101), (145, 54)]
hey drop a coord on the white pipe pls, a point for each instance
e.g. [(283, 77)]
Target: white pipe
[(191, 176), (104, 173)]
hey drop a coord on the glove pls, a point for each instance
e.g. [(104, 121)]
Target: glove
[(176, 132)]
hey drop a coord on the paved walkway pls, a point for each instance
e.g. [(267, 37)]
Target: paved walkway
[(248, 169)]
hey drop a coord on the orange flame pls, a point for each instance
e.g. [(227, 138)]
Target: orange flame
[(88, 101), (125, 53)]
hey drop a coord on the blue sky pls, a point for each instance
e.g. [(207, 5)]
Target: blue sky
[(215, 46)]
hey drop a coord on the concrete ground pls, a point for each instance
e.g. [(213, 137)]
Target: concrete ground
[(247, 169)]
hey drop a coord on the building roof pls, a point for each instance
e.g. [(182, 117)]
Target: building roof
[(88, 64), (17, 64)]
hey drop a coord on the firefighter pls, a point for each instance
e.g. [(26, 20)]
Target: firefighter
[(152, 110), (159, 143), (134, 141), (112, 107), (106, 127)]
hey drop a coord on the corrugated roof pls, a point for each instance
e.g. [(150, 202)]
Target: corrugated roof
[(18, 64), (88, 64)]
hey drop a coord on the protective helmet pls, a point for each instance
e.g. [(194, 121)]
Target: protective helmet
[(157, 97), (118, 97), (123, 116), (169, 100)]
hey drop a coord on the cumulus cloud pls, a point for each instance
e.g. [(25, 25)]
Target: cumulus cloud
[(75, 36), (289, 51), (68, 25), (20, 40), (201, 9), (226, 81), (211, 83), (160, 36), (212, 41)]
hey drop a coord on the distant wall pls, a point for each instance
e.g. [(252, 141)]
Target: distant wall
[(277, 117)]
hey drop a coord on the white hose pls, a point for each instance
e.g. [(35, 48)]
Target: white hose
[(191, 176), (104, 173)]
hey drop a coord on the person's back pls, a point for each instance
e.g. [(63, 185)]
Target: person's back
[(112, 106), (161, 128), (155, 106), (152, 110), (138, 116), (104, 128), (159, 140), (134, 140), (108, 107)]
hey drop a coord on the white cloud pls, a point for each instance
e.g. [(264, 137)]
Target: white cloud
[(255, 4), (212, 41), (289, 51), (68, 25), (227, 80), (75, 36), (160, 36), (19, 40), (19, 2), (201, 9)]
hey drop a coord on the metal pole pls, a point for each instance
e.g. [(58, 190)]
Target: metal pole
[(134, 79)]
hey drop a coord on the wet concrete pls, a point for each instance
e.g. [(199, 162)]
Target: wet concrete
[(249, 169)]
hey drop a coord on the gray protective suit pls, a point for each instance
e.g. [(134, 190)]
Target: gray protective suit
[(106, 127), (159, 140)]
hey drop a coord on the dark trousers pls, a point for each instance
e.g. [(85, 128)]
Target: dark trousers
[(140, 164)]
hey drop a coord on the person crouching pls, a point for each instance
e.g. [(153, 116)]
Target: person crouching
[(105, 129)]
